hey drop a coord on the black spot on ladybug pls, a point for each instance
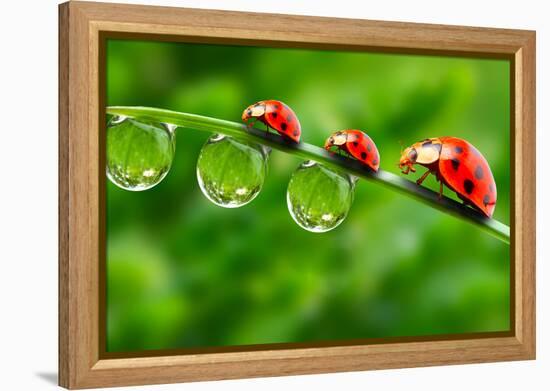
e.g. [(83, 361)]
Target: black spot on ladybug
[(274, 115), (355, 143), (369, 148), (277, 107), (363, 155), (459, 149), (296, 133), (455, 162), (374, 162), (289, 118), (486, 199), (284, 125), (479, 172), (468, 186)]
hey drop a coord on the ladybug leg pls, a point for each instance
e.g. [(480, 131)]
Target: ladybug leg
[(409, 167), (424, 176), (339, 151)]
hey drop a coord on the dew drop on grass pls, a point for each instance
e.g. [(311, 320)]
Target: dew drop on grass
[(231, 173), (139, 153), (318, 198)]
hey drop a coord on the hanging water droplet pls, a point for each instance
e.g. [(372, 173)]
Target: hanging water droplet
[(139, 153), (231, 173), (319, 199)]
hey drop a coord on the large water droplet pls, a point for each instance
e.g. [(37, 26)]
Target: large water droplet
[(139, 153), (319, 199), (231, 173)]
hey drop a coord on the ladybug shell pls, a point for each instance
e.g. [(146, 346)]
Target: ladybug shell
[(361, 147), (464, 169), (281, 118)]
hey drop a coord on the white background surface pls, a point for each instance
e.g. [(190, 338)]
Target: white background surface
[(28, 194)]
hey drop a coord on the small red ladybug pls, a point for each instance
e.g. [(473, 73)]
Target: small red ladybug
[(356, 144), (457, 164), (276, 115)]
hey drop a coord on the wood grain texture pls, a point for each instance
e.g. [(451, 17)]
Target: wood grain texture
[(64, 354), (83, 28), (525, 191)]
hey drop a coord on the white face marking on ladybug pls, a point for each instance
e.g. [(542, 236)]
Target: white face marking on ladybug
[(255, 110), (427, 155), (339, 138), (424, 152), (336, 139)]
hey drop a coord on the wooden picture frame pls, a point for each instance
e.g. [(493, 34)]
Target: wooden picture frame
[(83, 28)]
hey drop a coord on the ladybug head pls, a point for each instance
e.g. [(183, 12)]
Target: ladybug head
[(336, 139), (255, 110), (408, 159)]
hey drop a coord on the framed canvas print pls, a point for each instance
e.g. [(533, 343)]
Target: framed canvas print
[(247, 195)]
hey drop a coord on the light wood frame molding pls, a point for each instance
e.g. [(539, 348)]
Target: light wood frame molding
[(83, 26)]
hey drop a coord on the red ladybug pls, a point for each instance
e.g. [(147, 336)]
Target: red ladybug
[(457, 164), (356, 144), (276, 115)]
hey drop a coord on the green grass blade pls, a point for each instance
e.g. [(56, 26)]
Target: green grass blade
[(311, 152)]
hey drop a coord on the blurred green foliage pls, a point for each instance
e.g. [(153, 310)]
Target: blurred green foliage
[(182, 272)]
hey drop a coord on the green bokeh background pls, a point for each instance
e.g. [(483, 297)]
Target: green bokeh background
[(184, 273)]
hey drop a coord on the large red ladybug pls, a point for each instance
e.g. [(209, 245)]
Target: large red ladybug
[(356, 144), (457, 164), (276, 115)]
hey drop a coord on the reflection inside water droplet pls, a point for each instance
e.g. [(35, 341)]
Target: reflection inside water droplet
[(139, 153), (117, 119), (318, 198), (231, 173)]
